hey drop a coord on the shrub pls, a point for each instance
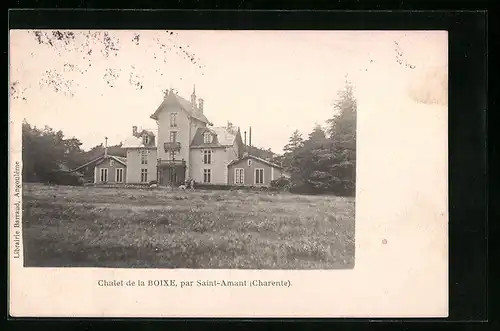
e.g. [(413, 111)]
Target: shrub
[(303, 187), (280, 183), (64, 178)]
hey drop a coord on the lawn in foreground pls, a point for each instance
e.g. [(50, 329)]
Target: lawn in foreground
[(96, 227)]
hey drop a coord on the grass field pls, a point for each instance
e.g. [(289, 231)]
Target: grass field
[(97, 227)]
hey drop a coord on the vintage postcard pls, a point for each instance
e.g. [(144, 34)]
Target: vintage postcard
[(207, 173)]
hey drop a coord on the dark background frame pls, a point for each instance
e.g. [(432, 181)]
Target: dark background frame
[(468, 104)]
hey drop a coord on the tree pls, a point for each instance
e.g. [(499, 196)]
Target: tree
[(45, 151), (295, 142), (317, 136), (327, 162), (310, 165), (72, 152), (97, 151), (342, 127), (265, 154), (104, 47)]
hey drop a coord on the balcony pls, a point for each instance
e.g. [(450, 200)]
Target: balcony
[(171, 163), (172, 146)]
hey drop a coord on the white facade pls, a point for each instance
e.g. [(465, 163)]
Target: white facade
[(220, 158), (179, 124), (183, 132), (136, 166)]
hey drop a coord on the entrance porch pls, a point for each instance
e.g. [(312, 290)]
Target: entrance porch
[(171, 172)]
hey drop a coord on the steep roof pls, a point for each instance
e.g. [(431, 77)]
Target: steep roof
[(222, 137), (274, 165), (141, 132), (122, 160), (136, 142), (187, 106), (98, 151)]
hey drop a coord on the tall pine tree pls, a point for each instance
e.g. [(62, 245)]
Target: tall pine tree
[(342, 129), (295, 142), (317, 134), (311, 165), (326, 162)]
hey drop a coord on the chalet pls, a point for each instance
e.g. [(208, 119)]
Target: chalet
[(184, 146), (187, 145)]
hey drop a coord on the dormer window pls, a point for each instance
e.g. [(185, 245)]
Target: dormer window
[(207, 138), (145, 139)]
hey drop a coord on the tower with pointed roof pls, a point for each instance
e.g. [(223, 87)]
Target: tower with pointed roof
[(186, 146)]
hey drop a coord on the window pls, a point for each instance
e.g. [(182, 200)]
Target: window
[(259, 176), (144, 175), (207, 156), (249, 162), (144, 157), (104, 175), (207, 138), (172, 155), (173, 120), (173, 136), (145, 139), (206, 175), (239, 176), (111, 163), (119, 175)]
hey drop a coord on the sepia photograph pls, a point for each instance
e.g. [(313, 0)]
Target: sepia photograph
[(154, 172), (145, 155)]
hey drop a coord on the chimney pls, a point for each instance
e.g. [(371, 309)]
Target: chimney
[(134, 131), (200, 104), (245, 141), (105, 147), (249, 140), (193, 97)]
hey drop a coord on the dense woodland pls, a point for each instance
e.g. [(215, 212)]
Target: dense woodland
[(325, 160), (322, 162)]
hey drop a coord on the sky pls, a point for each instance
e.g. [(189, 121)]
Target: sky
[(274, 81)]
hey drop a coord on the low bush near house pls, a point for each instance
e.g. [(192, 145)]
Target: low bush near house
[(64, 178), (281, 183)]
